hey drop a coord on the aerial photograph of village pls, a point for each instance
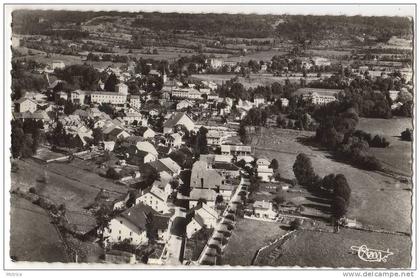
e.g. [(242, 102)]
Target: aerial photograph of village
[(153, 139)]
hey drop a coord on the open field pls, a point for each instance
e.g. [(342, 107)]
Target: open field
[(74, 184), (398, 156), (257, 56), (247, 237), (321, 249), (33, 237), (377, 200)]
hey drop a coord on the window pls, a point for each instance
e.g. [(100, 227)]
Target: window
[(119, 231), (131, 233), (121, 222), (119, 238)]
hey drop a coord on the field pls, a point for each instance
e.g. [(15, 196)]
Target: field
[(33, 237), (377, 200), (320, 249), (398, 156), (74, 184), (247, 237), (257, 56)]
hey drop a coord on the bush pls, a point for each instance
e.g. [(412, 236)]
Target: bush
[(302, 168), (407, 135), (32, 190), (112, 174)]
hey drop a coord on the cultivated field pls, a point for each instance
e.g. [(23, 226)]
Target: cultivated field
[(247, 237), (32, 236), (321, 249), (398, 156), (377, 200)]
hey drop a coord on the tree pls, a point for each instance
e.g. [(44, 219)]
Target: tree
[(243, 134), (110, 83), (98, 135), (302, 168), (112, 174), (407, 135), (341, 187), (274, 164), (219, 199), (339, 207)]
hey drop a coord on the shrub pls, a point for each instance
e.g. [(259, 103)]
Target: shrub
[(32, 190), (407, 135)]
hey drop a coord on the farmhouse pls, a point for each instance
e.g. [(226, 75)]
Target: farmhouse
[(178, 119), (263, 170), (25, 105), (132, 224), (263, 209), (155, 198)]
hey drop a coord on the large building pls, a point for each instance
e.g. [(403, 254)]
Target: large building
[(25, 105), (238, 150), (319, 99), (186, 93)]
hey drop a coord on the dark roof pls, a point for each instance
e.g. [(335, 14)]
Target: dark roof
[(140, 214), (141, 130), (160, 167), (179, 226), (172, 121), (225, 166), (114, 133)]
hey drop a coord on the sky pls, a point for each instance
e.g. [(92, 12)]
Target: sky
[(346, 9)]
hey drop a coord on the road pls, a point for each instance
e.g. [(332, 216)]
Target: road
[(221, 226)]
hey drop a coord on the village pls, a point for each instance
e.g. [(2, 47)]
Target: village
[(165, 163)]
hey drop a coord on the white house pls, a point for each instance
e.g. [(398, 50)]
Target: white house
[(146, 146), (264, 209), (173, 140), (178, 119), (131, 225), (155, 198), (263, 170), (207, 214), (25, 105)]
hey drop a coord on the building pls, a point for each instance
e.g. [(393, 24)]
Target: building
[(393, 95), (116, 98), (57, 65), (237, 150), (78, 96), (203, 176), (25, 105), (202, 195), (173, 140), (263, 170), (132, 225), (214, 63), (148, 147), (184, 104), (146, 132), (178, 119), (135, 102), (259, 100), (318, 99), (263, 209), (155, 198), (284, 102), (208, 214), (186, 93)]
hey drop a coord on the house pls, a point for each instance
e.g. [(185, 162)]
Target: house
[(393, 95), (208, 214), (57, 65), (195, 225), (138, 157), (259, 100), (205, 195), (178, 119), (135, 102), (115, 134), (263, 170), (186, 93), (264, 209), (284, 102), (116, 98), (146, 132), (25, 105), (237, 150), (166, 165), (131, 117), (78, 96), (148, 147), (173, 140), (109, 145), (184, 104), (132, 225), (155, 198), (202, 176), (318, 99)]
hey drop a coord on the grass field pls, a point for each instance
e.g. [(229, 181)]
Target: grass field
[(33, 237), (398, 156), (320, 249), (74, 184), (377, 200), (247, 237)]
